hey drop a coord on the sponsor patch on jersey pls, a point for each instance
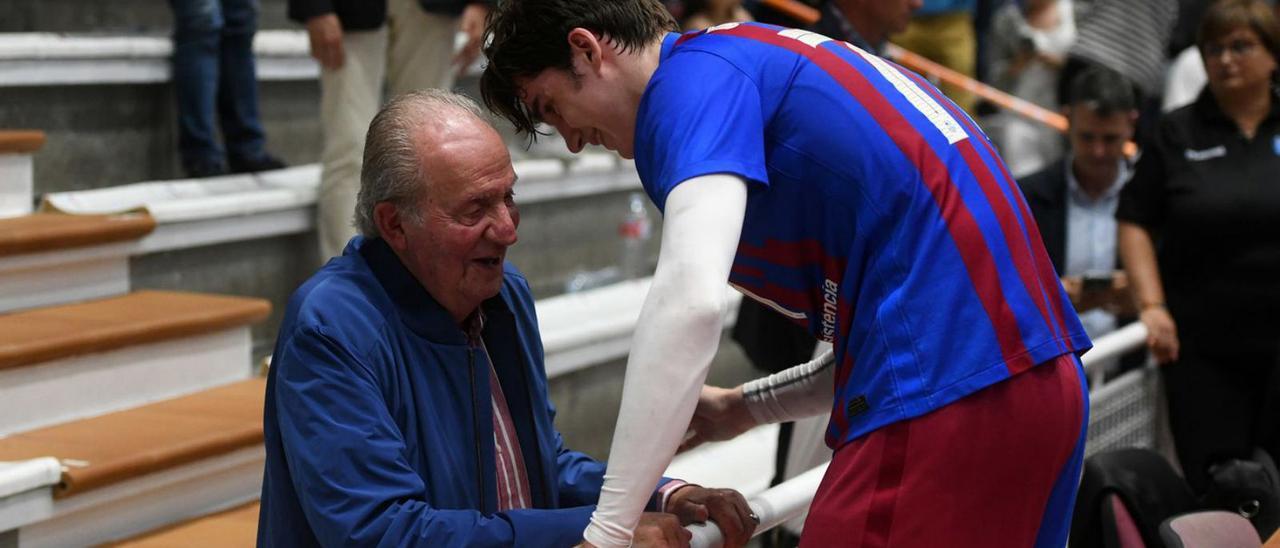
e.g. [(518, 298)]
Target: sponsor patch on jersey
[(1206, 154), (857, 406), (811, 39), (830, 304), (923, 102)]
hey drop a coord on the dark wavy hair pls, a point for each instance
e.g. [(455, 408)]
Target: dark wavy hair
[(526, 37)]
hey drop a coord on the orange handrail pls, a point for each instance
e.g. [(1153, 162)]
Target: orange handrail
[(801, 12), (916, 62), (1019, 106)]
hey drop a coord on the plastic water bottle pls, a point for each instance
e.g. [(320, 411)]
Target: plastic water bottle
[(635, 231)]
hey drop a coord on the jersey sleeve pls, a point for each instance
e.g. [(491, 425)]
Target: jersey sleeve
[(701, 115)]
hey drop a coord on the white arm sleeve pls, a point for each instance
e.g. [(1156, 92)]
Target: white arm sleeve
[(676, 336), (792, 394)]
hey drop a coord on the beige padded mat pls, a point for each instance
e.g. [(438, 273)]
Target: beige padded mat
[(126, 444), (142, 317), (52, 231), (234, 528)]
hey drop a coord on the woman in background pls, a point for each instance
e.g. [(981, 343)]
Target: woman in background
[(1199, 234), (1029, 44)]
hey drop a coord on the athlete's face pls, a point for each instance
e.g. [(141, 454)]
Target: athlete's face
[(588, 105)]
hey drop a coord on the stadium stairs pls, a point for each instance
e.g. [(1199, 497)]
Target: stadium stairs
[(133, 314)]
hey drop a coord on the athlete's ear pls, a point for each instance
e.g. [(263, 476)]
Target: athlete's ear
[(585, 46)]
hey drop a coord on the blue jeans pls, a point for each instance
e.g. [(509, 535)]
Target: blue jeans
[(213, 71)]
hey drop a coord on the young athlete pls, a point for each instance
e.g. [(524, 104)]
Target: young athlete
[(851, 196)]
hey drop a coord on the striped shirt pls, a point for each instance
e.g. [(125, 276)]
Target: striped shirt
[(878, 215), (1129, 37)]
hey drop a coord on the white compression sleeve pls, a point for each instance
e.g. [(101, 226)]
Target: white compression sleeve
[(792, 394), (676, 336)]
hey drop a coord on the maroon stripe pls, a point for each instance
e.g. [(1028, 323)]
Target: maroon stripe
[(791, 254), (960, 222), (1033, 257), (740, 269), (893, 460), (796, 301)]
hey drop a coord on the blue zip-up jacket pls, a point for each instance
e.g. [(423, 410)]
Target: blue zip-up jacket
[(378, 422)]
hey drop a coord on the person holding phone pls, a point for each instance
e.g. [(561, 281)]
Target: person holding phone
[(1074, 200)]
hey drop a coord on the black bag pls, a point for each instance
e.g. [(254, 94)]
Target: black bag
[(1149, 488), (1249, 487)]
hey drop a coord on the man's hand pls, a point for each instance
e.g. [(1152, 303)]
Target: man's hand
[(325, 34), (721, 415), (1162, 333), (473, 20), (726, 507)]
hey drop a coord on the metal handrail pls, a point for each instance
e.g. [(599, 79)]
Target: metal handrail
[(773, 506), (792, 497)]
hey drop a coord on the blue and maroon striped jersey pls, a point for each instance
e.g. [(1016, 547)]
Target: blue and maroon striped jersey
[(878, 215)]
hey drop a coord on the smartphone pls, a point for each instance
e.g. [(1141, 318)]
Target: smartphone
[(1097, 282)]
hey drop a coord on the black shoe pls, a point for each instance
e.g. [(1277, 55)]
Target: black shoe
[(201, 170), (266, 162)]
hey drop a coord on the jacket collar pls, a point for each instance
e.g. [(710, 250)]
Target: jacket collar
[(416, 308)]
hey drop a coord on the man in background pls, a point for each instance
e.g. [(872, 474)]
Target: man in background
[(360, 44), (1074, 200)]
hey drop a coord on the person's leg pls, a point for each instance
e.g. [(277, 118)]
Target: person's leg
[(1209, 413), (349, 98), (197, 30), (995, 468), (238, 90), (947, 39), (420, 48), (957, 48)]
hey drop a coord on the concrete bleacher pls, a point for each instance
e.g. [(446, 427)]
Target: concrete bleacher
[(120, 410), (135, 311)]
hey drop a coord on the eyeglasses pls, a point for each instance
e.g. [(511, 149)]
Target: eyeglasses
[(1238, 48)]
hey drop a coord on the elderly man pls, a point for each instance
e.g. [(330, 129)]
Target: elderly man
[(407, 402)]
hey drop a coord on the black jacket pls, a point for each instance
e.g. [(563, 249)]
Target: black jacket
[(1046, 194), (369, 14)]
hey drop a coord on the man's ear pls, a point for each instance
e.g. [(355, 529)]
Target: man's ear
[(386, 216), (585, 46)]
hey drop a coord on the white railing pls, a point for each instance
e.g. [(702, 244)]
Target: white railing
[(791, 498)]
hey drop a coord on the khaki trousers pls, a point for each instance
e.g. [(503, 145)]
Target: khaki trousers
[(947, 39), (412, 51)]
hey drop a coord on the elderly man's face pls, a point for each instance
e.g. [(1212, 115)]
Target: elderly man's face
[(468, 220)]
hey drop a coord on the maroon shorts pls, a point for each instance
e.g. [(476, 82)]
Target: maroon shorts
[(999, 467)]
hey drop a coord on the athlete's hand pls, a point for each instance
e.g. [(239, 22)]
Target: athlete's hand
[(325, 33), (660, 530), (726, 507), (721, 415)]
